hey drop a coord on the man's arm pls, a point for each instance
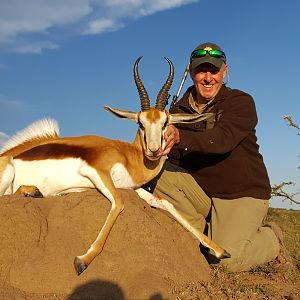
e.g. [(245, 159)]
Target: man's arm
[(234, 125), (236, 122)]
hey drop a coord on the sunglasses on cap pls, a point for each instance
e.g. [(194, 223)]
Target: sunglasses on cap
[(213, 53)]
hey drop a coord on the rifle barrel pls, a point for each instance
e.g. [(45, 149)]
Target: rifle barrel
[(175, 97)]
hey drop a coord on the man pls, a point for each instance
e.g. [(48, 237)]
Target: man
[(215, 175)]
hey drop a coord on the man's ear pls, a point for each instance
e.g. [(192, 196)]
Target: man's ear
[(225, 70)]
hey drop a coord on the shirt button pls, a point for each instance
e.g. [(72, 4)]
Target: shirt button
[(185, 149)]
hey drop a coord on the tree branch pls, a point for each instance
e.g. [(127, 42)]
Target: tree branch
[(290, 122), (277, 191)]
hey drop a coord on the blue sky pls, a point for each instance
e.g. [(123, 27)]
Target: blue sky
[(65, 59)]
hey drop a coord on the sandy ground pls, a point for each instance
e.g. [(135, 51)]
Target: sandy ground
[(146, 254)]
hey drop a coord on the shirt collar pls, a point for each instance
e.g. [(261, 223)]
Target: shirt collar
[(193, 104), (192, 95), (184, 105)]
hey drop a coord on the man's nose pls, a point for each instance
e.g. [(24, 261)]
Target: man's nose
[(208, 76)]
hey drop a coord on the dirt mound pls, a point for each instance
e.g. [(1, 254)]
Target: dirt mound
[(145, 255)]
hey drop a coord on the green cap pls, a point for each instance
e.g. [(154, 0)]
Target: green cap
[(217, 62)]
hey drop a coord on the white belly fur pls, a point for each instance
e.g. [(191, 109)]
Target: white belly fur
[(54, 177), (51, 176)]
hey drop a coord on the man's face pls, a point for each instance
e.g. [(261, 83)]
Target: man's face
[(208, 80)]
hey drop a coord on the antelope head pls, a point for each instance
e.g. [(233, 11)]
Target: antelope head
[(153, 121)]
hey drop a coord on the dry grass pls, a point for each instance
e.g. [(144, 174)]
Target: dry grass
[(263, 282), (289, 221)]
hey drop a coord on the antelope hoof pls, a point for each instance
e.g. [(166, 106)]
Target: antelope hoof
[(225, 254), (35, 194), (29, 191), (79, 265)]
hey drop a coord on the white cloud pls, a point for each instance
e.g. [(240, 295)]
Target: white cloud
[(29, 26), (102, 25), (19, 16), (35, 47), (144, 8)]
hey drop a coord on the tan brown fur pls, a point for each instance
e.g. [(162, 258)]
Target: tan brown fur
[(152, 114), (4, 161)]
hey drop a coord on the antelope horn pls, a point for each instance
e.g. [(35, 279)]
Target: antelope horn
[(145, 101), (163, 95)]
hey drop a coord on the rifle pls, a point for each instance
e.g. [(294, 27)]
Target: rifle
[(175, 97)]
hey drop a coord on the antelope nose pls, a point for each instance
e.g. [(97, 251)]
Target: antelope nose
[(155, 152)]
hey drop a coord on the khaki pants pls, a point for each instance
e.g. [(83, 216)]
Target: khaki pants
[(236, 225)]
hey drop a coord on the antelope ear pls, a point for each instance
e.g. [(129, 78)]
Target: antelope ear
[(189, 118), (123, 113)]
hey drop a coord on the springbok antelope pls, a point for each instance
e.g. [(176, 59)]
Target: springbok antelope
[(37, 162)]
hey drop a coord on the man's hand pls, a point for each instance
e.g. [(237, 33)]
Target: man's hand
[(171, 137)]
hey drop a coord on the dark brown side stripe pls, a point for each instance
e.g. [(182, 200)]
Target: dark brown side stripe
[(57, 151)]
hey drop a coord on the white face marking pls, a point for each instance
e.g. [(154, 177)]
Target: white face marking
[(152, 134)]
